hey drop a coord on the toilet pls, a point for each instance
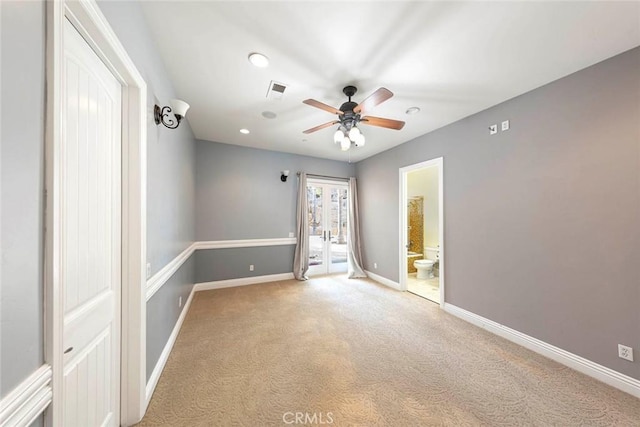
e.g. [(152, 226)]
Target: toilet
[(424, 267)]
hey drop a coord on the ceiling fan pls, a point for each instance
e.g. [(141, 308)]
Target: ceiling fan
[(350, 115)]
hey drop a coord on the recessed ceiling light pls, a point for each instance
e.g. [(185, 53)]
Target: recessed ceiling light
[(412, 110), (244, 131), (258, 59), (269, 115)]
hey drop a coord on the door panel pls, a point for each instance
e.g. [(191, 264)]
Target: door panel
[(315, 197), (91, 250), (338, 228)]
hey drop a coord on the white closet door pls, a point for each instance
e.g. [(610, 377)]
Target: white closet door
[(91, 233)]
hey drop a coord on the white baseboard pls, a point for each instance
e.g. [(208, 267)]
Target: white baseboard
[(28, 400), (580, 364), (155, 282), (383, 280), (243, 281), (164, 356)]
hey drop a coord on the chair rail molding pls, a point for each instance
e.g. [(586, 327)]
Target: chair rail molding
[(155, 282), (247, 243), (28, 400)]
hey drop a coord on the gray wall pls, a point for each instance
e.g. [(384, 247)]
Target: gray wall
[(22, 184), (233, 263), (170, 177), (542, 221), (239, 195), (163, 311)]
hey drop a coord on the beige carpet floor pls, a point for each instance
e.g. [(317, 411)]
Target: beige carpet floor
[(353, 353)]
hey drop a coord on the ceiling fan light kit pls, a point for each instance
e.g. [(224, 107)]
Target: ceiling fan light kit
[(350, 115)]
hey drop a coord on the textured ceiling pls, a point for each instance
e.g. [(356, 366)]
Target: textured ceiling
[(451, 59)]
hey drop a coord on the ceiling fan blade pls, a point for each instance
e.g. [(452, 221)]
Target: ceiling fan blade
[(326, 125), (322, 106), (377, 97), (382, 122)]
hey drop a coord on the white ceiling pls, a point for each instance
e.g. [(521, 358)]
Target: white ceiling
[(451, 59)]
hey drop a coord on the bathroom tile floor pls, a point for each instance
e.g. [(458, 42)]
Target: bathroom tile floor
[(426, 288)]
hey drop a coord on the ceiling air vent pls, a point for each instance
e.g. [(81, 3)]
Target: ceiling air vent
[(276, 90)]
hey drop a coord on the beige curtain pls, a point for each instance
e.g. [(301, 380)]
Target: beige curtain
[(354, 254), (301, 256)]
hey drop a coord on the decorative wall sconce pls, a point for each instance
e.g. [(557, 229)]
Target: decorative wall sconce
[(179, 109), (284, 175)]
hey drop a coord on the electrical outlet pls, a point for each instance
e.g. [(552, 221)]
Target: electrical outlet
[(179, 302), (148, 270), (251, 267), (291, 234), (493, 129), (505, 125), (625, 352), (375, 265)]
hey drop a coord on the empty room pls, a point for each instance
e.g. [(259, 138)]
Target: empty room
[(353, 213)]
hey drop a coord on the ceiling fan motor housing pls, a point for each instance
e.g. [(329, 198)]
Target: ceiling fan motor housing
[(349, 118)]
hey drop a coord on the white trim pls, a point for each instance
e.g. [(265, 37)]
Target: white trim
[(580, 364), (28, 400), (402, 252), (156, 281), (89, 20), (242, 281), (164, 356), (441, 265), (384, 281), (160, 278), (247, 243)]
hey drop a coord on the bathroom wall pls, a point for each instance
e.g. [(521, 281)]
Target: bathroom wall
[(541, 221), (415, 232), (424, 183), (415, 213)]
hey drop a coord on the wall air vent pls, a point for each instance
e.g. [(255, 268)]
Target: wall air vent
[(276, 90)]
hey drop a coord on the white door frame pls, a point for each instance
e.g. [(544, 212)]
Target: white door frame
[(93, 26), (327, 262), (404, 171)]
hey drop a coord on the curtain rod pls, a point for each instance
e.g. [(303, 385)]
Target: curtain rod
[(335, 178)]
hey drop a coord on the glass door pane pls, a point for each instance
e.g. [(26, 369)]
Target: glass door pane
[(338, 228), (316, 225)]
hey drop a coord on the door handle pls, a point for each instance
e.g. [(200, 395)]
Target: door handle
[(69, 350), (324, 236), (329, 235)]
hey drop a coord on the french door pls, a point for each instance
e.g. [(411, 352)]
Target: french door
[(328, 212)]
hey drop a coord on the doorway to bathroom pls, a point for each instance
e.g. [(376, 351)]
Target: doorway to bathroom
[(421, 230), (328, 205)]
